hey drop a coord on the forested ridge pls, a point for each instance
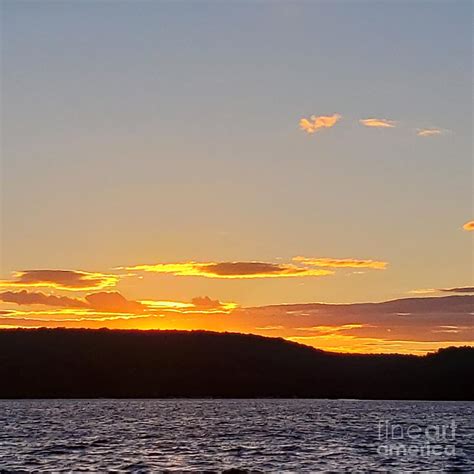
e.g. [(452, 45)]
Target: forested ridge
[(83, 363)]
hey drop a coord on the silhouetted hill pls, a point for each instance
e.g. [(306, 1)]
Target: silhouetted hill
[(68, 363)]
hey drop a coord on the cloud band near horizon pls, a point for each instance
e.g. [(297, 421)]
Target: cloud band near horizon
[(412, 325), (114, 302)]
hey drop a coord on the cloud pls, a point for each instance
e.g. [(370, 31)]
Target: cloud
[(410, 325), (332, 329), (459, 289), (26, 298), (163, 305), (199, 304), (113, 302), (423, 291), (342, 263), (232, 270), (394, 326), (61, 279), (270, 328), (239, 270), (378, 123), (204, 302), (208, 305), (315, 123), (469, 226), (109, 302), (80, 318), (429, 132)]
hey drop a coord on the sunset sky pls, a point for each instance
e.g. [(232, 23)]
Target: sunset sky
[(203, 165)]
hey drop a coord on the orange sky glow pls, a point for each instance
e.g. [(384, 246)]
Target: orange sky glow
[(260, 167), (63, 298)]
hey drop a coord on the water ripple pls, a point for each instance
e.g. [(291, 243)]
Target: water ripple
[(225, 435)]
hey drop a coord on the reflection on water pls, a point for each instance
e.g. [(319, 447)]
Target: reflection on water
[(265, 435)]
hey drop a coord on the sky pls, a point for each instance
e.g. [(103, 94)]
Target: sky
[(252, 153)]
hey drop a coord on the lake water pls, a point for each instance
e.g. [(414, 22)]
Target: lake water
[(259, 435)]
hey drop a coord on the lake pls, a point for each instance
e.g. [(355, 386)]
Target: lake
[(259, 435)]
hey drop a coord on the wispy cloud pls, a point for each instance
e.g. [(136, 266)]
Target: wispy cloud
[(429, 132), (198, 305), (378, 123), (315, 122), (234, 270), (270, 328), (342, 262), (73, 280), (469, 226), (332, 329), (459, 289), (428, 291), (423, 291)]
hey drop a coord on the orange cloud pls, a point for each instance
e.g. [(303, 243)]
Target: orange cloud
[(232, 270), (331, 329), (457, 289), (207, 304), (373, 345), (240, 270), (164, 305), (71, 315), (113, 302), (198, 305), (412, 325), (469, 226), (108, 302), (378, 123), (104, 306), (314, 123), (37, 298), (429, 132), (342, 263), (61, 279)]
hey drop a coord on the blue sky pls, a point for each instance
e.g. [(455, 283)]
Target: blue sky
[(146, 132)]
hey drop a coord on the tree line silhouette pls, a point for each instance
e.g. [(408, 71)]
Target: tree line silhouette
[(83, 363)]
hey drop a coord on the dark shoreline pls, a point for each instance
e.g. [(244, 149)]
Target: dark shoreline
[(124, 364)]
